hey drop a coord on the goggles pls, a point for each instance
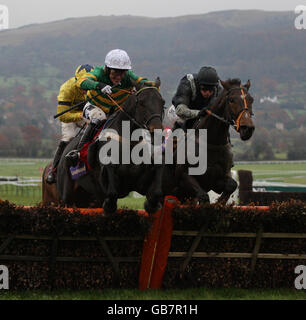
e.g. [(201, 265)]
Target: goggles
[(207, 88)]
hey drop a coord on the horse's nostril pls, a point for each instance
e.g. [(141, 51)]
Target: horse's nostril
[(246, 132)]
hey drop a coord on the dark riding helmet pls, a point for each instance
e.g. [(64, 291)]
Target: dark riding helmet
[(207, 76), (82, 69)]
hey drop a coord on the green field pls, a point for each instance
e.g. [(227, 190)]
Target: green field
[(24, 168), (281, 172)]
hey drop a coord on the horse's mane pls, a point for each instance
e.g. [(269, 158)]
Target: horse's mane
[(218, 102), (233, 82)]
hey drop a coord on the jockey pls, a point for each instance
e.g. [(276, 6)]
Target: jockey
[(102, 82), (69, 95), (195, 92)]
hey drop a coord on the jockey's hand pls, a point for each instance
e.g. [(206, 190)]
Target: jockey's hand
[(105, 88), (202, 113)]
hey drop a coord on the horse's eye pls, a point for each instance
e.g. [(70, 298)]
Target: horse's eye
[(231, 100)]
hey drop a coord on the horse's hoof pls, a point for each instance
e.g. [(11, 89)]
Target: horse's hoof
[(152, 208), (110, 206)]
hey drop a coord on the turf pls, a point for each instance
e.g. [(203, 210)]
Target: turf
[(173, 294)]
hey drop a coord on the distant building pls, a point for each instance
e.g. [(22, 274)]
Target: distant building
[(269, 99), (279, 126)]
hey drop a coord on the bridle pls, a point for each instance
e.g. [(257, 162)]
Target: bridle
[(136, 94), (235, 123)]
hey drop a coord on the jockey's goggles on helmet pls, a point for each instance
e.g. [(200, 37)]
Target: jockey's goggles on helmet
[(207, 88), (117, 71)]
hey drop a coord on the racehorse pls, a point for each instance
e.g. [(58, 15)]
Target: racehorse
[(105, 183), (49, 191), (232, 108)]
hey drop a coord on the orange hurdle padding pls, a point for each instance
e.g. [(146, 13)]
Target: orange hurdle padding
[(93, 211), (156, 247), (261, 208)]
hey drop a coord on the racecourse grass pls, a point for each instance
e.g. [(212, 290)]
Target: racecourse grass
[(282, 172), (173, 294)]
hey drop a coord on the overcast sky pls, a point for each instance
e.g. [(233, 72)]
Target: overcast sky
[(24, 12)]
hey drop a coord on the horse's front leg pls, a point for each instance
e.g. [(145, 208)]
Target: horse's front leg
[(191, 186), (110, 202), (229, 186), (154, 195)]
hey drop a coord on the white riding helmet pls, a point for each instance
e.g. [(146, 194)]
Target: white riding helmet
[(118, 59)]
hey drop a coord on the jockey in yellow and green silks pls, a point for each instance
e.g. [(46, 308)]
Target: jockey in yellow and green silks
[(117, 74), (69, 95)]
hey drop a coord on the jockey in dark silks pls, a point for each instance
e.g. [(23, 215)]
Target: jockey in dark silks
[(194, 93)]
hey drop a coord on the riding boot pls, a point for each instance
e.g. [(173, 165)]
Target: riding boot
[(51, 178), (92, 128)]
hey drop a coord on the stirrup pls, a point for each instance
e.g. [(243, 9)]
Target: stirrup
[(73, 157)]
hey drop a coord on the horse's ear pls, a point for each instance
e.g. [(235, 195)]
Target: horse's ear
[(225, 84), (248, 85), (138, 86), (157, 83)]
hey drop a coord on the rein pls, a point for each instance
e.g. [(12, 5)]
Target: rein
[(142, 126), (233, 123)]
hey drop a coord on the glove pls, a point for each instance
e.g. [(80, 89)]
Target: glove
[(202, 113), (185, 113), (105, 88)]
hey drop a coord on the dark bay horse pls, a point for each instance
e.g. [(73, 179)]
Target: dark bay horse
[(106, 182), (49, 191), (232, 108)]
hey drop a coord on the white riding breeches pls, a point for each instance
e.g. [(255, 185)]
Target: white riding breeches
[(70, 130)]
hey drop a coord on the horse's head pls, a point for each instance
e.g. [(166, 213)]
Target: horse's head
[(238, 106), (149, 105)]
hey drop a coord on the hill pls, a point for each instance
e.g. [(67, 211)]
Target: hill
[(261, 46)]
